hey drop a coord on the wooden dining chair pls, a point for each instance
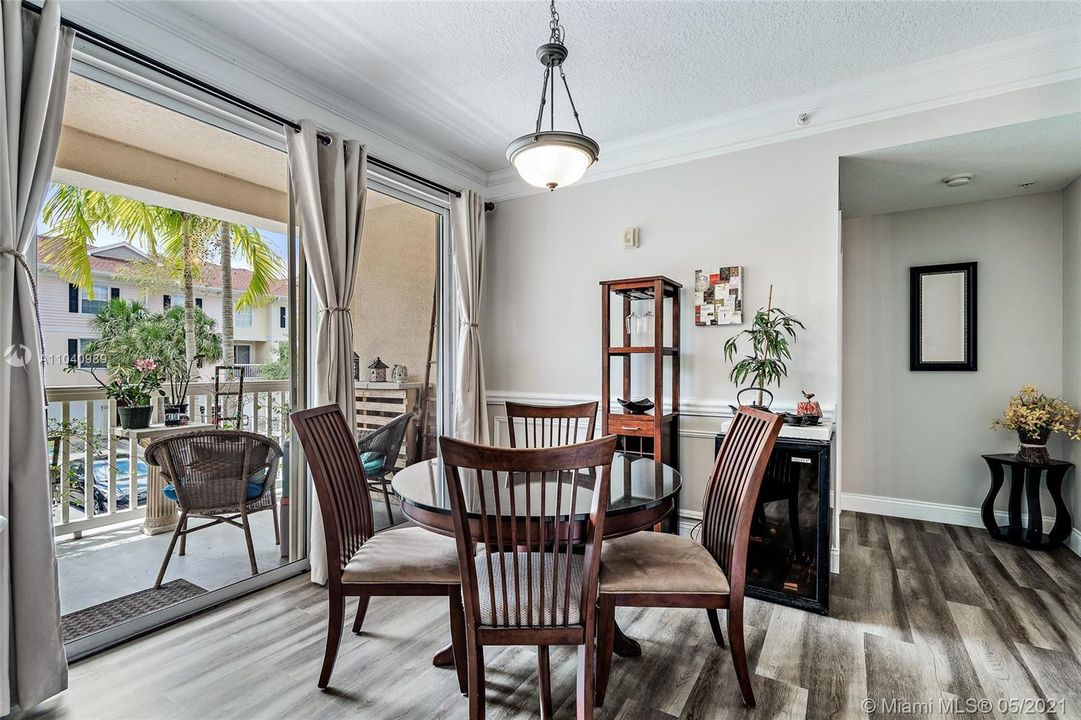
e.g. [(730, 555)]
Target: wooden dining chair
[(550, 425), (536, 581), (400, 561), (661, 570)]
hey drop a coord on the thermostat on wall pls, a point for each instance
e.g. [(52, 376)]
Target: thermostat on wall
[(630, 238)]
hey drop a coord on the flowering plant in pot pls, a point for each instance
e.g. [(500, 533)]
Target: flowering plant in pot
[(1034, 416), (132, 388)]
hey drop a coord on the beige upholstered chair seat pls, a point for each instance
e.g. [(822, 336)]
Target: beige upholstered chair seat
[(650, 562), (405, 555), (555, 581)]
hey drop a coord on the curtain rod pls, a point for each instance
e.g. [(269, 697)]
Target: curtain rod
[(111, 45)]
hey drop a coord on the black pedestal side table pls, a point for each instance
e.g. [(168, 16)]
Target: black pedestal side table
[(1025, 479)]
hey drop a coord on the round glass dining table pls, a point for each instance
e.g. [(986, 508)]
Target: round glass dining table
[(642, 494)]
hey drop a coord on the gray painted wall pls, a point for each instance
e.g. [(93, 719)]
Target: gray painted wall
[(1071, 323), (919, 435)]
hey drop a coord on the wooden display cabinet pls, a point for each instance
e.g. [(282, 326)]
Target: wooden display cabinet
[(656, 433)]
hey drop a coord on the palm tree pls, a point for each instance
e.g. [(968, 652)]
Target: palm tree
[(116, 325), (170, 237), (226, 243)]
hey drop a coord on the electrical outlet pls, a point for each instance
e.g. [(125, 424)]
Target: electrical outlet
[(630, 238)]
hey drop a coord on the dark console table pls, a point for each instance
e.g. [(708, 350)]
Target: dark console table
[(1025, 479)]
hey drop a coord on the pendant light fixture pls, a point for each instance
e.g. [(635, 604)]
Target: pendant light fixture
[(553, 158)]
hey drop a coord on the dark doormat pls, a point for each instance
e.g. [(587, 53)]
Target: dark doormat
[(96, 618)]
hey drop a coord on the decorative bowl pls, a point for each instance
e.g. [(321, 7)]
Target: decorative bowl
[(636, 407)]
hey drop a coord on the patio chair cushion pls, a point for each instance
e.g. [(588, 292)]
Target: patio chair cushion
[(373, 461), (404, 555), (254, 490), (654, 563)]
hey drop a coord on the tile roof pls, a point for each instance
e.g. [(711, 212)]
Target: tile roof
[(211, 273)]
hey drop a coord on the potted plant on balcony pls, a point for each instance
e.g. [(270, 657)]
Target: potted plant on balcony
[(178, 376), (768, 335), (136, 387), (132, 389), (1034, 416)]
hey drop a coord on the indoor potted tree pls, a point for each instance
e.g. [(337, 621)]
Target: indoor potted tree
[(768, 335), (1034, 416)]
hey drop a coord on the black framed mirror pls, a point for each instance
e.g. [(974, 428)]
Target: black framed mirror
[(942, 317)]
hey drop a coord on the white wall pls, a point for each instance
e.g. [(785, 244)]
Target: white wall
[(1071, 326), (772, 209), (919, 435)]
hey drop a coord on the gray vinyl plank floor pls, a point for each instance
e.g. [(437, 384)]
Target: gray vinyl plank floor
[(922, 616)]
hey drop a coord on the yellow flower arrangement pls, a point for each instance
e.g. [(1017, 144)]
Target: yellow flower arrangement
[(1035, 416)]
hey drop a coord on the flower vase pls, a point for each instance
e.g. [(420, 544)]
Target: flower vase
[(1032, 447), (135, 417)]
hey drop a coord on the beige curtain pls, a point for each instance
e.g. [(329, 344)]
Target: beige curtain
[(467, 240), (330, 182), (36, 56)]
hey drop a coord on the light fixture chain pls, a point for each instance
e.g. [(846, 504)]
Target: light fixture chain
[(570, 97), (544, 94), (552, 109), (557, 29)]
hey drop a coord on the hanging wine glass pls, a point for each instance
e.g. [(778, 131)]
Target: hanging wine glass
[(647, 322)]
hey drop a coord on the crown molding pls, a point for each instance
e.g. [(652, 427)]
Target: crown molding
[(1023, 62), (171, 35), (174, 37)]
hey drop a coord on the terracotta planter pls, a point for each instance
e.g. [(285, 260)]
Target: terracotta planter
[(136, 417)]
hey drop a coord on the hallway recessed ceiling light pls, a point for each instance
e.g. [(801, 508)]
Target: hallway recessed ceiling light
[(553, 158), (958, 180)]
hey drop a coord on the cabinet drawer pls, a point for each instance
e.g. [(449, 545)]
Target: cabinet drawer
[(638, 425)]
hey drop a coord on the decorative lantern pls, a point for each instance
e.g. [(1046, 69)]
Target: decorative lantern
[(377, 371), (399, 374)]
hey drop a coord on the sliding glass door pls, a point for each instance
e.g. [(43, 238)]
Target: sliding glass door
[(164, 240)]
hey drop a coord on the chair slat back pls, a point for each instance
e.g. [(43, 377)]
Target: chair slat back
[(551, 425), (211, 469), (540, 563), (340, 485), (733, 488)]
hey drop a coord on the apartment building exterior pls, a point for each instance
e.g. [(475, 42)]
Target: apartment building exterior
[(66, 311)]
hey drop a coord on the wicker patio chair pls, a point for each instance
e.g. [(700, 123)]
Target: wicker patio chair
[(379, 453), (219, 475)]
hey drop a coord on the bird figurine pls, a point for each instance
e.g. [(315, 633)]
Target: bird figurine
[(809, 407)]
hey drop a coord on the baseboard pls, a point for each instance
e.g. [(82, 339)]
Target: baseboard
[(1074, 541), (937, 512)]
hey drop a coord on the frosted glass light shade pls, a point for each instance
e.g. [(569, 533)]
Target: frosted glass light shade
[(552, 159)]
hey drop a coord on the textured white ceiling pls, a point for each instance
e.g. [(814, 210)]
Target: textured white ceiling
[(908, 177), (464, 75)]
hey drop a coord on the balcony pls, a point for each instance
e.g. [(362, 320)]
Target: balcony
[(107, 560)]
